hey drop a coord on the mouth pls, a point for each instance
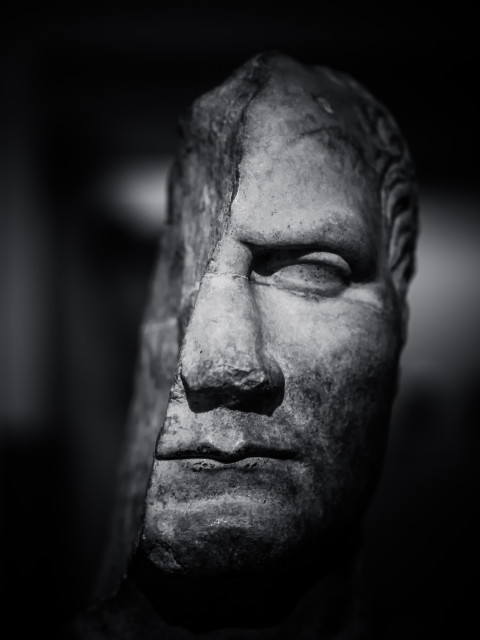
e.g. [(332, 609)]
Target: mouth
[(211, 453)]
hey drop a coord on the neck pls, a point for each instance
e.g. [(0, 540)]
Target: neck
[(313, 602)]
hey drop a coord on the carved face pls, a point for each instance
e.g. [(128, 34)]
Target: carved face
[(277, 420)]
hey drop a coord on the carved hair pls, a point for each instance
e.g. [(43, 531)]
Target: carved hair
[(397, 181)]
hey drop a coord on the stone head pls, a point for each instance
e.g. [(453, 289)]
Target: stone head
[(271, 343)]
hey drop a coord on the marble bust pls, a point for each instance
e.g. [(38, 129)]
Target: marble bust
[(268, 364)]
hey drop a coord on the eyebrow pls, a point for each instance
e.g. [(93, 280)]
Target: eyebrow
[(351, 240)]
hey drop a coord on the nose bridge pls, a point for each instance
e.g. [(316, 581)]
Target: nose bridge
[(222, 357)]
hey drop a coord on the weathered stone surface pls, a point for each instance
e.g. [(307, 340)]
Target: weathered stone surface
[(279, 312)]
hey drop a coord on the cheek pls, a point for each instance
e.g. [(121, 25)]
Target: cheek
[(327, 341), (339, 359)]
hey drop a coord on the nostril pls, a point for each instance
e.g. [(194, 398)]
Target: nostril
[(274, 372)]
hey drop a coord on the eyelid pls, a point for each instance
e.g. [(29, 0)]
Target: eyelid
[(330, 259)]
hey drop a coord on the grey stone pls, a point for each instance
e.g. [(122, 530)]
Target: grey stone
[(270, 346)]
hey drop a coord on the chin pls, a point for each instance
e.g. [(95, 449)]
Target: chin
[(237, 536)]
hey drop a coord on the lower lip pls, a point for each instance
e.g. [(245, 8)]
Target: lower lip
[(194, 480), (245, 464)]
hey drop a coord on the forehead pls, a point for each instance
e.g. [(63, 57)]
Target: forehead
[(303, 170)]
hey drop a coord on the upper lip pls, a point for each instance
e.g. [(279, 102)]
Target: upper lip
[(211, 452)]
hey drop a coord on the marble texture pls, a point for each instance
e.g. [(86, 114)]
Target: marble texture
[(270, 346)]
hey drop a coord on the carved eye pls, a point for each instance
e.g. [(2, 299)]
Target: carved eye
[(318, 273)]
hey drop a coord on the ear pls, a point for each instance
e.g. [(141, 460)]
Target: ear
[(401, 216)]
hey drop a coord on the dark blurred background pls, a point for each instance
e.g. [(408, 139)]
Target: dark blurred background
[(90, 98)]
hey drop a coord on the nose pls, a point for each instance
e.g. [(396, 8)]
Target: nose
[(223, 361)]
